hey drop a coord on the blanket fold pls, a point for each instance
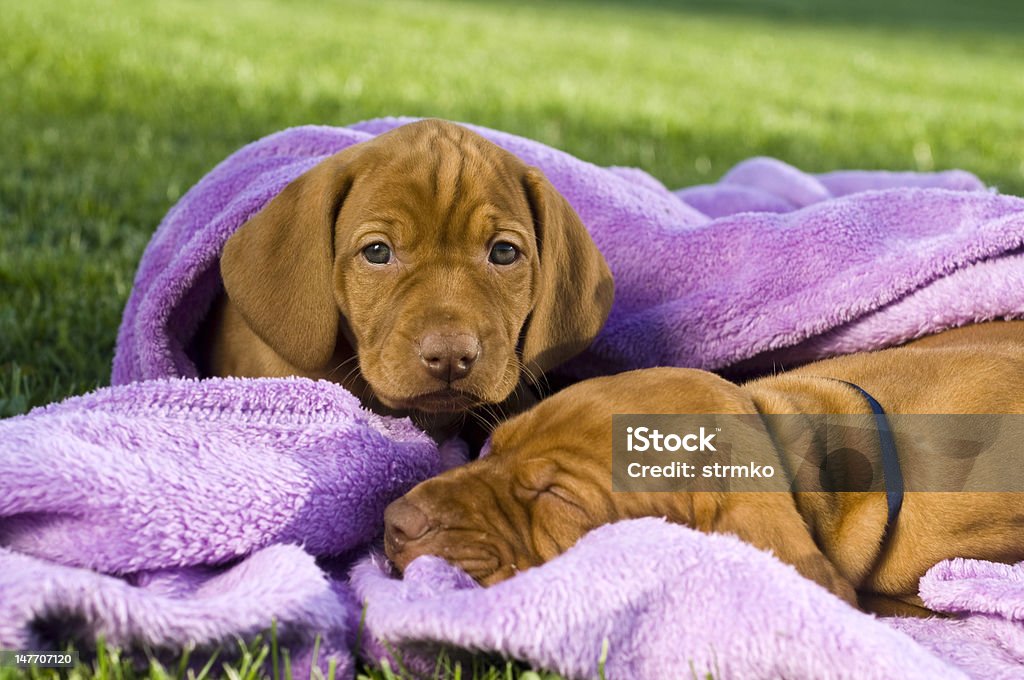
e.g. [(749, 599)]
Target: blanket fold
[(176, 511), (165, 511)]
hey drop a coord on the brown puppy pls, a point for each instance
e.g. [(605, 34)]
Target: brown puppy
[(427, 270), (548, 479)]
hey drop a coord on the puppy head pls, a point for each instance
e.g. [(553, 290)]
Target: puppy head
[(451, 267), (547, 480)]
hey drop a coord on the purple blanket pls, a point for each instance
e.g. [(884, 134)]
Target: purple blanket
[(174, 511)]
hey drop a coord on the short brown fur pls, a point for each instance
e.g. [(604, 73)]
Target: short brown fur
[(548, 479)]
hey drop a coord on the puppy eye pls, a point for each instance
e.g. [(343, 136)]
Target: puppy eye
[(503, 252), (377, 253)]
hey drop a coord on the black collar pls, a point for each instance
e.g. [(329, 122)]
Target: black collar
[(892, 475)]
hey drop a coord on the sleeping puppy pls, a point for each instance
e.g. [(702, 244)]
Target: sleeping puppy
[(427, 270), (547, 480)]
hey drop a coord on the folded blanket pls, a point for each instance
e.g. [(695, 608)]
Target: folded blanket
[(125, 513), (177, 511)]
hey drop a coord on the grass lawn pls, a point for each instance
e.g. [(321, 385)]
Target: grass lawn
[(109, 111)]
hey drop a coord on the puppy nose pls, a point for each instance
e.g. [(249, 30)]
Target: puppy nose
[(449, 357), (403, 522)]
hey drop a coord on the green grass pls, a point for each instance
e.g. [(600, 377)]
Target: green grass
[(259, 659), (109, 111)]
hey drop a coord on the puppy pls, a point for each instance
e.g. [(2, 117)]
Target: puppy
[(548, 478), (427, 270)]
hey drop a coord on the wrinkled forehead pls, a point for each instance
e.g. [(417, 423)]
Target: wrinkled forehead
[(440, 181), (443, 157), (466, 490)]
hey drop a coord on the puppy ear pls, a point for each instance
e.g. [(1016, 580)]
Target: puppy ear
[(575, 288), (277, 267)]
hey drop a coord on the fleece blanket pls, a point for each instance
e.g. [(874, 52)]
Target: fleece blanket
[(165, 511)]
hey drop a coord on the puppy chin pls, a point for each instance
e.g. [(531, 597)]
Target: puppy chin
[(438, 401), (440, 398)]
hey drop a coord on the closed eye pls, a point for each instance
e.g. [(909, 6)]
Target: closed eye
[(557, 492)]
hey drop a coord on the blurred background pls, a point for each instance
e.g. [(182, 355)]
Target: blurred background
[(110, 111)]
